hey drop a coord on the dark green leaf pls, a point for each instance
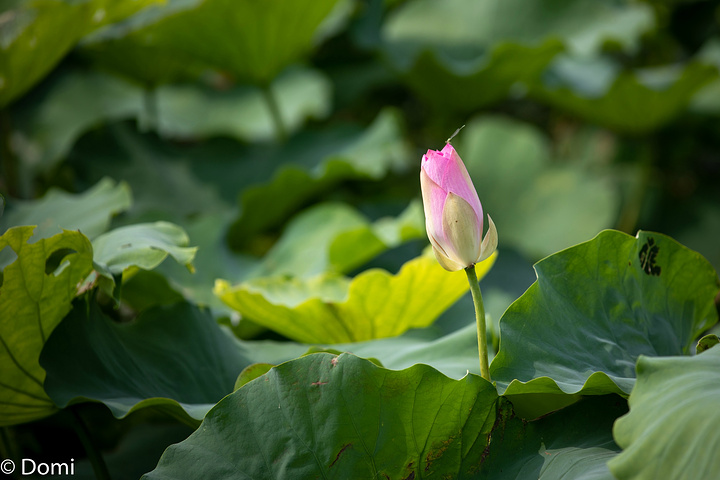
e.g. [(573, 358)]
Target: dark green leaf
[(671, 429), (575, 442), (491, 50), (633, 102), (315, 163), (163, 184), (36, 34), (138, 451), (594, 310), (341, 416), (175, 358), (189, 112), (49, 121), (163, 41), (89, 212)]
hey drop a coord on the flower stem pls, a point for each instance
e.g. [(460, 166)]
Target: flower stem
[(480, 320)]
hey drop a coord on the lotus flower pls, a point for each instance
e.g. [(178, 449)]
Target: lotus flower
[(453, 213)]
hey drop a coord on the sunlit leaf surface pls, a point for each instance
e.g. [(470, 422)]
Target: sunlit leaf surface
[(36, 293)]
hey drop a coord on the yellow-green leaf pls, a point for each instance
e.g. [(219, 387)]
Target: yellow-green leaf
[(375, 304), (36, 293)]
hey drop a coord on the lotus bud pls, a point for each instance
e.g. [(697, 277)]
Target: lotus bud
[(453, 213)]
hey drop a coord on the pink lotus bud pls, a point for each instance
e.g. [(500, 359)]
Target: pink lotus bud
[(453, 214)]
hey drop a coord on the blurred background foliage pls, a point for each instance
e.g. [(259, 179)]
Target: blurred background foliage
[(285, 137)]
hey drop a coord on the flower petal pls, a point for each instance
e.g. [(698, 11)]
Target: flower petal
[(460, 226), (490, 242), (447, 170), (461, 184), (445, 262), (433, 203)]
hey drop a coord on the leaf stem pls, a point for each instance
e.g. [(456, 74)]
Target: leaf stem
[(480, 320), (10, 178), (8, 448), (150, 119), (632, 208), (272, 103), (93, 453)]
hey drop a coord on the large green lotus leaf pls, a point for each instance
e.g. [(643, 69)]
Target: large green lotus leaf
[(594, 310), (538, 207), (314, 162), (175, 358), (500, 74), (89, 212), (186, 111), (36, 293), (375, 304), (341, 417), (36, 34), (670, 431), (143, 245), (462, 54), (632, 102), (274, 181), (48, 122), (265, 38), (583, 25)]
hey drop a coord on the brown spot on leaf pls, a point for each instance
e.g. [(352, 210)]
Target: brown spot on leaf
[(337, 457), (318, 383), (438, 452)]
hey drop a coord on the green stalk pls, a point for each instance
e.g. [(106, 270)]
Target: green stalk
[(93, 453), (150, 119), (480, 320), (272, 103)]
